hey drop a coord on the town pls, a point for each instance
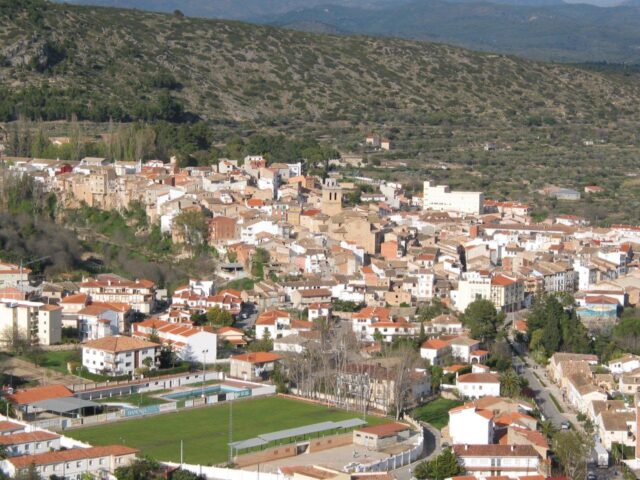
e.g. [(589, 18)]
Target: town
[(348, 330)]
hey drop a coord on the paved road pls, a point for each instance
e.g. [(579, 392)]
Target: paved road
[(431, 449), (542, 397)]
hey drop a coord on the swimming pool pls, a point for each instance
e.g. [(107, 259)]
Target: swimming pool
[(211, 390)]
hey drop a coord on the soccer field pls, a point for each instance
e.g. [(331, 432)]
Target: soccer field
[(205, 431)]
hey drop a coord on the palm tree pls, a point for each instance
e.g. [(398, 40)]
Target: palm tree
[(510, 384), (548, 429)]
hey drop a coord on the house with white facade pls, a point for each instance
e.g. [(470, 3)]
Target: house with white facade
[(470, 425), (624, 364), (435, 351), (119, 355), (476, 385), (72, 463), (498, 460), (191, 344), (29, 443)]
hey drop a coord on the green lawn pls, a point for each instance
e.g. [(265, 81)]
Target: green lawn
[(57, 360), (205, 430), (436, 413)]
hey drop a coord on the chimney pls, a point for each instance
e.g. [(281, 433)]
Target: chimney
[(513, 448), (466, 447)]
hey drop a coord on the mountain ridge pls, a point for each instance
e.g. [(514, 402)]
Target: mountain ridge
[(60, 61)]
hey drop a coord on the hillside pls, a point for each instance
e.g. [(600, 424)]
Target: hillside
[(557, 32), (235, 10), (99, 63)]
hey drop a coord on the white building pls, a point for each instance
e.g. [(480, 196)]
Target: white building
[(118, 355), (476, 385), (469, 425), (29, 443), (442, 199), (625, 364), (35, 321), (97, 321), (191, 344), (73, 463), (498, 460), (13, 276), (471, 287)]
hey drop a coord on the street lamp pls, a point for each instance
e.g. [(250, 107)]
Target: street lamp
[(204, 362)]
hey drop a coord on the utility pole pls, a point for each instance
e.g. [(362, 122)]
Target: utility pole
[(204, 360), (230, 430)]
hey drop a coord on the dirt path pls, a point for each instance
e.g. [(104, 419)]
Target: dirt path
[(30, 373)]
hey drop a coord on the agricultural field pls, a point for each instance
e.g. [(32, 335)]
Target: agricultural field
[(205, 431)]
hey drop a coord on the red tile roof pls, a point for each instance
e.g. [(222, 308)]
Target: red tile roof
[(385, 430), (119, 343), (494, 451), (70, 455), (478, 378), (37, 394), (26, 437), (257, 357), (434, 344)]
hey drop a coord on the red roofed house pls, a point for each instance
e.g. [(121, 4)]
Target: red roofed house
[(191, 344), (492, 460), (253, 366), (476, 385), (29, 443), (435, 350), (118, 355), (471, 425), (109, 288), (371, 322), (507, 293), (72, 463), (231, 335)]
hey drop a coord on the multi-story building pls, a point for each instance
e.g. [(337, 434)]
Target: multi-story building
[(73, 463), (507, 293), (119, 355), (191, 344), (139, 293), (35, 322), (13, 276), (441, 198), (498, 460), (222, 229)]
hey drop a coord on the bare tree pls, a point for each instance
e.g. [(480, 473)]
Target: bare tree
[(406, 360)]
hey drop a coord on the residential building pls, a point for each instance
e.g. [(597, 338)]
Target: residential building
[(498, 460), (140, 294), (73, 463), (36, 322), (253, 366), (190, 344), (119, 355), (476, 385), (470, 425)]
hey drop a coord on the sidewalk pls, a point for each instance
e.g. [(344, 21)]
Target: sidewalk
[(553, 389)]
